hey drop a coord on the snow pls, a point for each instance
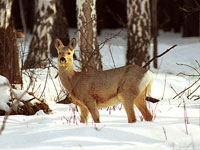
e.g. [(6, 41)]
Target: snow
[(5, 96), (22, 95), (7, 91), (62, 129)]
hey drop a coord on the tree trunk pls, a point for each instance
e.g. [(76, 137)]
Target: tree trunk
[(88, 43), (138, 14), (191, 18), (60, 28), (40, 43), (9, 53), (154, 31)]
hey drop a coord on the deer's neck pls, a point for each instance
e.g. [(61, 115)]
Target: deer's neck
[(69, 71), (66, 75)]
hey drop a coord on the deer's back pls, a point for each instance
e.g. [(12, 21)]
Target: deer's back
[(107, 84)]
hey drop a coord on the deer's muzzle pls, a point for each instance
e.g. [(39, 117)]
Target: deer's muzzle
[(62, 60)]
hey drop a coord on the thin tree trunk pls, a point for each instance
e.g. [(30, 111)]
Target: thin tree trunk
[(88, 43), (138, 14), (155, 31), (191, 19), (9, 53), (40, 43)]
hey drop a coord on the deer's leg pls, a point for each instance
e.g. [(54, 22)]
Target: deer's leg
[(84, 114), (140, 102), (91, 105), (127, 100), (94, 112)]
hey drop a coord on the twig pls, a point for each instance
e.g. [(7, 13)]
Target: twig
[(193, 91), (45, 83), (54, 85), (112, 57), (185, 117), (4, 122), (166, 51), (197, 63), (10, 111), (108, 39), (173, 89), (189, 67), (186, 89), (189, 75), (164, 86), (165, 133), (197, 97)]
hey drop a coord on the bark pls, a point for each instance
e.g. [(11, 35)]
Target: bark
[(154, 31), (138, 14), (40, 43), (9, 53), (23, 14), (177, 15), (191, 18), (70, 12), (60, 28), (88, 43)]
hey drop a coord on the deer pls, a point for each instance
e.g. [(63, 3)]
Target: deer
[(92, 90)]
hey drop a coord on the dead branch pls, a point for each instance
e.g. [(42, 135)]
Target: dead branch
[(67, 100), (189, 75), (186, 88), (12, 107), (196, 97), (193, 91), (189, 67), (101, 45), (112, 57), (166, 51), (4, 123), (45, 83)]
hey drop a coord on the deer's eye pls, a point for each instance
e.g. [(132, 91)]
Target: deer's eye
[(59, 53), (69, 53)]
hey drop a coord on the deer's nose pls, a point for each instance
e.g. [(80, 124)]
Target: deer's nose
[(62, 60)]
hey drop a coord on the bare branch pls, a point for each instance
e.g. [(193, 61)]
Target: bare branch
[(112, 57), (189, 67), (166, 51), (186, 88), (101, 45)]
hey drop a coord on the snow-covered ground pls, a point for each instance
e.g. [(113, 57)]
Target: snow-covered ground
[(176, 123)]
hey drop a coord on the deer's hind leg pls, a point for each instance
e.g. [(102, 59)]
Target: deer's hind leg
[(140, 102), (127, 100)]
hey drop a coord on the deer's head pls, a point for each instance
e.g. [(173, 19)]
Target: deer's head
[(65, 53)]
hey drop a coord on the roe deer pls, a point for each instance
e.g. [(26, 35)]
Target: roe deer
[(128, 85)]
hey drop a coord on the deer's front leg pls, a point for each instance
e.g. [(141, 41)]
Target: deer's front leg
[(91, 105), (84, 114)]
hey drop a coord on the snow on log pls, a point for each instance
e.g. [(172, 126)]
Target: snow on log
[(19, 101)]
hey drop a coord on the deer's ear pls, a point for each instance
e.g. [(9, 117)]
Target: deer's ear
[(72, 44), (58, 43)]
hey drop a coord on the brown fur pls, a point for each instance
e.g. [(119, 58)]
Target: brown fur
[(93, 90)]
